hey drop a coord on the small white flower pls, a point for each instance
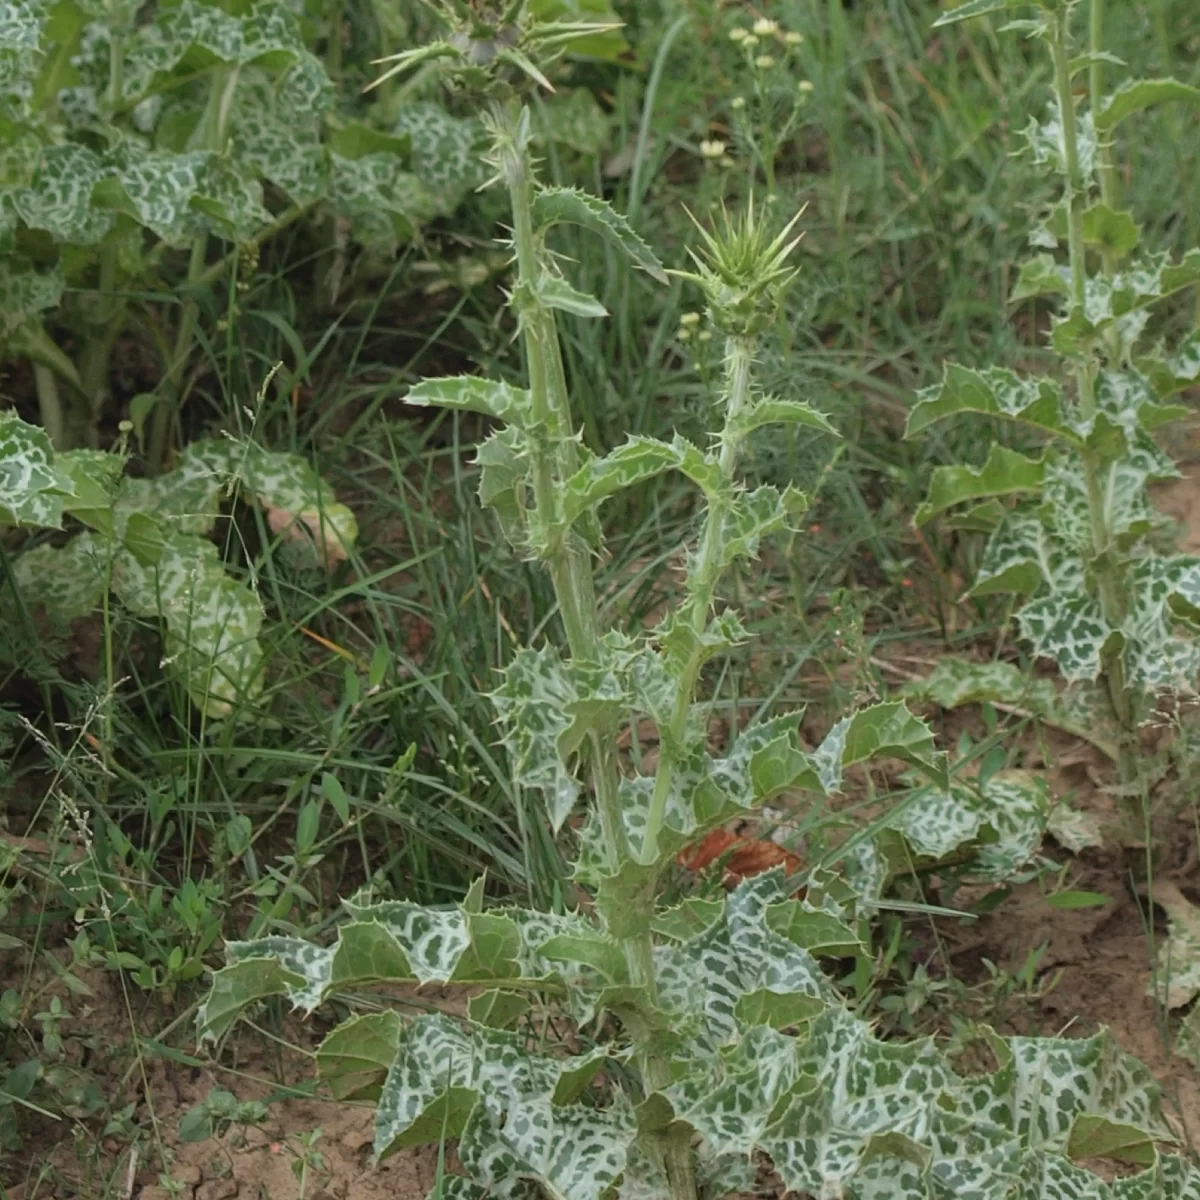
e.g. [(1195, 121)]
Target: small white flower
[(712, 149), (684, 335), (689, 318), (738, 34), (738, 102), (705, 335), (764, 62), (805, 85), (765, 27), (793, 38), (749, 41)]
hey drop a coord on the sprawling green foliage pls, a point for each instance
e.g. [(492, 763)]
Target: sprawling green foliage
[(147, 543), (1082, 547), (127, 133), (709, 1032)]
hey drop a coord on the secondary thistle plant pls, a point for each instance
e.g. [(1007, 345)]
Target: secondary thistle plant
[(1080, 548), (706, 1037)]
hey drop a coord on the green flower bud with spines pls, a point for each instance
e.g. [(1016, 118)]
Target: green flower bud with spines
[(743, 271), (493, 50)]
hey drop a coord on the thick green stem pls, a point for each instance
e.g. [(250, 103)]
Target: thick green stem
[(1098, 475), (553, 457), (702, 583), (50, 406)]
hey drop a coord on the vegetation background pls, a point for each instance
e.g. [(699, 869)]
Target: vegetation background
[(137, 831)]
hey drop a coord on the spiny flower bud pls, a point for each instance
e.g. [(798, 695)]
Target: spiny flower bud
[(496, 49), (743, 271)]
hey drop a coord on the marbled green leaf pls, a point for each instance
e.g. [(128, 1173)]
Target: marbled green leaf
[(997, 392), (1069, 628), (32, 488)]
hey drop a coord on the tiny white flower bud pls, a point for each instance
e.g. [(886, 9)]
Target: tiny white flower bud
[(765, 27), (738, 34), (749, 41), (805, 85), (793, 38), (712, 149), (764, 62), (738, 102), (690, 318)]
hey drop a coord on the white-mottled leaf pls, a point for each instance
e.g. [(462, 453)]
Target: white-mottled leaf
[(471, 393), (1069, 628), (994, 391), (32, 488)]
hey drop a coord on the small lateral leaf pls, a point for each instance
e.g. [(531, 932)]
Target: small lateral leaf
[(497, 1009), (1137, 94), (559, 294), (779, 1010), (333, 791), (238, 985), (1005, 472), (599, 952), (554, 206), (693, 916), (640, 458), (770, 411), (1077, 899), (1094, 1136), (353, 1060), (471, 393), (976, 8)]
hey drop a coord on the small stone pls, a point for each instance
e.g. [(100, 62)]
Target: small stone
[(188, 1173), (356, 1139), (218, 1189)]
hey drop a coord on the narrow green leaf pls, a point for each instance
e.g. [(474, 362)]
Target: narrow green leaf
[(770, 411), (1094, 1136), (977, 8), (1137, 94), (559, 294), (144, 539), (470, 393), (553, 206), (1004, 473)]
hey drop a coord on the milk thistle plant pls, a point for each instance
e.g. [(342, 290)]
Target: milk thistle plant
[(707, 1039), (1080, 547)]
